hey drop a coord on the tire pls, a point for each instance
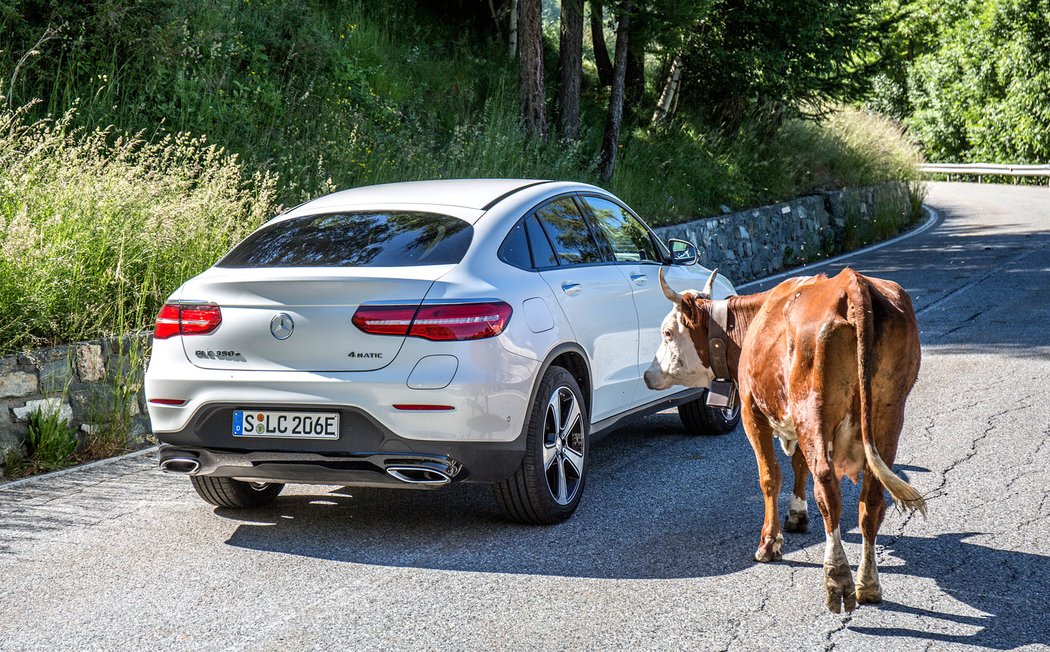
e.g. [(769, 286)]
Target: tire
[(699, 419), (547, 487), (234, 494)]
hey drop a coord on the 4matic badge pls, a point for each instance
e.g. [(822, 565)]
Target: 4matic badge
[(354, 354)]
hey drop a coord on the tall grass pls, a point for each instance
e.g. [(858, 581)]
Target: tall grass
[(96, 228), (849, 147)]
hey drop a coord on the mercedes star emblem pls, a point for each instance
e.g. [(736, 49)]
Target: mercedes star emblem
[(281, 326)]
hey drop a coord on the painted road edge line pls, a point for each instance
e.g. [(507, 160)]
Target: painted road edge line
[(935, 216)]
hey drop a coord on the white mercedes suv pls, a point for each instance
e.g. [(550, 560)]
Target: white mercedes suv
[(418, 334)]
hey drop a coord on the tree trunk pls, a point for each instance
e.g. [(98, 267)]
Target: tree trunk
[(670, 92), (570, 63), (601, 53), (634, 83), (513, 38), (530, 64), (611, 140)]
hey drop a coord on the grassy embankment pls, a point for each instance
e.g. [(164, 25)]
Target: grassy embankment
[(114, 188), (97, 226)]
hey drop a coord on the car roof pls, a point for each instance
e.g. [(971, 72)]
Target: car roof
[(480, 194)]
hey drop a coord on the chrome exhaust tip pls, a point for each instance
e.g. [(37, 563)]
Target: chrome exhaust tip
[(419, 475), (180, 465)]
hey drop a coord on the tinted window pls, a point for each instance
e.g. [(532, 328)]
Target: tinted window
[(365, 239), (569, 233), (515, 248), (629, 240), (542, 253)]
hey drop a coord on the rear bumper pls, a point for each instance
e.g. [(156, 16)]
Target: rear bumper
[(404, 470), (362, 456)]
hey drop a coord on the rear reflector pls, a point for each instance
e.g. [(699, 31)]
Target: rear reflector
[(439, 323), (186, 319), (167, 401), (422, 407)]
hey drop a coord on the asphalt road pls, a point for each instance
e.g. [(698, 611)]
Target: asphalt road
[(658, 556)]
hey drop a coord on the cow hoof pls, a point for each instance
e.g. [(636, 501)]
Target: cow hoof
[(869, 594), (765, 555), (796, 522), (769, 550), (836, 601), (840, 591)]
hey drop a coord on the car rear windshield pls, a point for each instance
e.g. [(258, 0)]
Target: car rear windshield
[(359, 239)]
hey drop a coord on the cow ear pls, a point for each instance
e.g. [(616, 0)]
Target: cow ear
[(690, 310)]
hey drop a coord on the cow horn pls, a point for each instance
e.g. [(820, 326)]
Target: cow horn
[(668, 292), (709, 288)]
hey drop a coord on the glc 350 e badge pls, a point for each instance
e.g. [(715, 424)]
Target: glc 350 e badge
[(281, 326)]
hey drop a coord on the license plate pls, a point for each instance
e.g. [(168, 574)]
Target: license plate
[(294, 425)]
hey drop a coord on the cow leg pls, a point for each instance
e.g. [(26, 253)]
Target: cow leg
[(838, 579), (797, 519), (872, 509), (760, 435)]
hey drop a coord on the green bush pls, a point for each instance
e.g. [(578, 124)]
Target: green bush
[(982, 94), (51, 442)]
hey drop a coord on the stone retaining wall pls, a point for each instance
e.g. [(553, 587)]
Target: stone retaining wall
[(85, 383), (758, 242)]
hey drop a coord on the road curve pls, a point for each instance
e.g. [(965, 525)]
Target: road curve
[(120, 556)]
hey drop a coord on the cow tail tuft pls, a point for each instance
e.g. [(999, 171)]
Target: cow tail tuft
[(859, 296)]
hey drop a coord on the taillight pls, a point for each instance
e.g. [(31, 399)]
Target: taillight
[(440, 323), (460, 321), (186, 319), (167, 322), (384, 320)]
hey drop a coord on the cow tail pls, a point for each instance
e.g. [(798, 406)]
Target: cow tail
[(904, 495)]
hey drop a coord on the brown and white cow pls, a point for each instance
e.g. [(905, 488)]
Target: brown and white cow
[(824, 364)]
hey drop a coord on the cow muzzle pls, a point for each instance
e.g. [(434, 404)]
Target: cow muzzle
[(655, 378)]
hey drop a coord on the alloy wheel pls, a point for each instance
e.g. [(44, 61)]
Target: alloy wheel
[(563, 445)]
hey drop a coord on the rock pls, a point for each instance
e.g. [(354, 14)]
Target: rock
[(46, 405), (138, 433), (17, 383), (90, 428), (55, 376), (11, 434), (90, 366)]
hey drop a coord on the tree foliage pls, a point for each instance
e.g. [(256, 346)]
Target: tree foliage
[(747, 55), (979, 90)]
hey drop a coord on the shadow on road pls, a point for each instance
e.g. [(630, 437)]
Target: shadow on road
[(697, 516), (640, 518), (1010, 589)]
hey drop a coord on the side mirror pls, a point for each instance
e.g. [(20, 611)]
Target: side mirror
[(683, 252)]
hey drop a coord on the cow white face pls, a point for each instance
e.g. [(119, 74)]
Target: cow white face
[(677, 362)]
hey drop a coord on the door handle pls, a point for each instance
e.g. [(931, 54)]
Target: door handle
[(639, 279), (571, 289)]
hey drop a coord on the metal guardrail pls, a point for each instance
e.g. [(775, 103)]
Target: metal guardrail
[(981, 169)]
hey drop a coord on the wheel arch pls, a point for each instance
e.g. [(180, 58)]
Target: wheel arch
[(571, 357)]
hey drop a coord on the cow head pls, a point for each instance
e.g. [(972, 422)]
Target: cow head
[(677, 360)]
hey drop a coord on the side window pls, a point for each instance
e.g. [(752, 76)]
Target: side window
[(629, 240), (515, 248), (569, 233), (542, 254)]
